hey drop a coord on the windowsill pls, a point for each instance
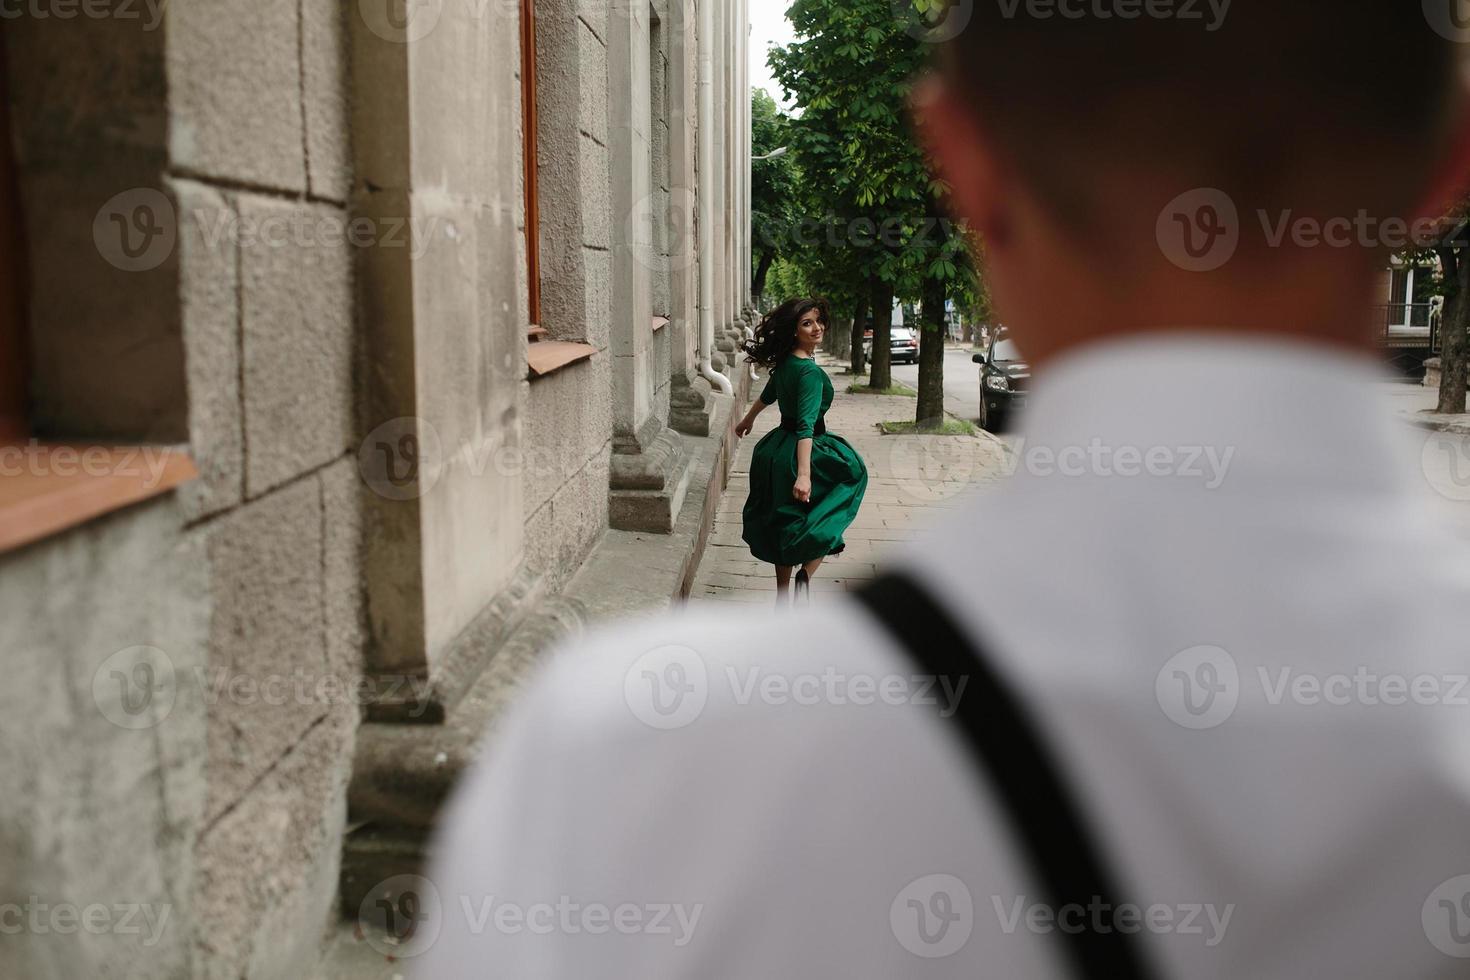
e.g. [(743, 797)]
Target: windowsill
[(48, 488), (549, 356)]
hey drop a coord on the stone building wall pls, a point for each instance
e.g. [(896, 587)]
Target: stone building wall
[(249, 576), (332, 318), (568, 414)]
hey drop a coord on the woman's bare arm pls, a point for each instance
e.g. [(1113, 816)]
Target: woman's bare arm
[(802, 488), (743, 427)]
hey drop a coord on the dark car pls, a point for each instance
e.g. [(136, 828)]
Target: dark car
[(903, 345), (1004, 379)]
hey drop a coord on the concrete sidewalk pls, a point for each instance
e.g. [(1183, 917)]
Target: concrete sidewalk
[(1415, 404), (912, 481)]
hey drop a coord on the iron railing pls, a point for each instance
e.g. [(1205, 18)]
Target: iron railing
[(1409, 325)]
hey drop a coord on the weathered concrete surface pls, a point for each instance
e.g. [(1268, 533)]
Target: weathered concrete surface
[(444, 328), (285, 656), (235, 91), (324, 57), (402, 774), (91, 812), (265, 569), (297, 322), (209, 308), (269, 866)]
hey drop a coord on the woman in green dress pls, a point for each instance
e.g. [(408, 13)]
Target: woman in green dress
[(806, 484)]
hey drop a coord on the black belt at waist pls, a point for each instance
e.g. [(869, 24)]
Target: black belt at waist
[(792, 425)]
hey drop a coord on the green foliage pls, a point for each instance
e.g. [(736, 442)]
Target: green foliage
[(785, 281), (900, 390), (775, 188), (849, 72)]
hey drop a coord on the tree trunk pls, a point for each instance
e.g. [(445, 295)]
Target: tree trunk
[(758, 285), (856, 364), (835, 340), (1454, 334), (930, 409), (880, 375)]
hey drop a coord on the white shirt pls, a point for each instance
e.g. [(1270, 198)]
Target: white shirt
[(1311, 819)]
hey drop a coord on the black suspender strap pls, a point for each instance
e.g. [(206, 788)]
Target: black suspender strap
[(1007, 747)]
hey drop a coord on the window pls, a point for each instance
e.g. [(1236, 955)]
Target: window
[(12, 306), (47, 487), (543, 355), (1411, 294), (529, 136)]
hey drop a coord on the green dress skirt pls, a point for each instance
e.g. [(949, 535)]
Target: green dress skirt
[(779, 528)]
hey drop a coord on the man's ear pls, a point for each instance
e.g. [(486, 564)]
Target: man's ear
[(962, 156)]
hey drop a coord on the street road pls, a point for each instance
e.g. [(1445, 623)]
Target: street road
[(961, 382)]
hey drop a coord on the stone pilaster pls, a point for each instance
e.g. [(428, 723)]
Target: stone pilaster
[(690, 405), (650, 476)]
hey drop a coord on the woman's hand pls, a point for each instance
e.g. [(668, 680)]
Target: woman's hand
[(743, 427), (802, 488)]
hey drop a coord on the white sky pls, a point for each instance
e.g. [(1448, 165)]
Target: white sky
[(767, 26)]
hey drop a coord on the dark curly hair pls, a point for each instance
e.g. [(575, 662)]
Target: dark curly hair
[(775, 338)]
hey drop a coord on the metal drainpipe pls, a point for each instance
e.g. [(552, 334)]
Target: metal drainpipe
[(706, 205)]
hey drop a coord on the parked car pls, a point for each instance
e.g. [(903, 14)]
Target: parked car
[(903, 345), (1005, 378)]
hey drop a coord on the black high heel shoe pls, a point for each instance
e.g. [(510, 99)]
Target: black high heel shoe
[(803, 586)]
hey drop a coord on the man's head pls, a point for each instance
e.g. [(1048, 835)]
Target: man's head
[(1167, 157)]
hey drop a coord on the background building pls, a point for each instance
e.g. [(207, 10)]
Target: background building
[(400, 339)]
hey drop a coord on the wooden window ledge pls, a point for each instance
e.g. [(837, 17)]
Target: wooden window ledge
[(47, 488), (548, 356)]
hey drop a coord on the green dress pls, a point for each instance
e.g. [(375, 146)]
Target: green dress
[(779, 528)]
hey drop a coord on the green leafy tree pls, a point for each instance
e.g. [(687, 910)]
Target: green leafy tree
[(774, 189), (849, 73)]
